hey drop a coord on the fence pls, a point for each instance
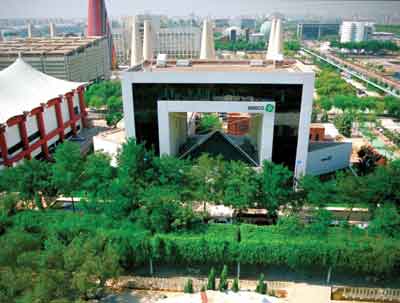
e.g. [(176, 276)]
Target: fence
[(177, 283), (371, 294)]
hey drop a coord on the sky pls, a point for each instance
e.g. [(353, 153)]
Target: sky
[(214, 8)]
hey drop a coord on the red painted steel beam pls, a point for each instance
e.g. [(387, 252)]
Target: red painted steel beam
[(3, 146), (82, 106), (59, 117), (70, 103)]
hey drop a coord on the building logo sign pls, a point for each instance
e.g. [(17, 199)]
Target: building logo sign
[(269, 108)]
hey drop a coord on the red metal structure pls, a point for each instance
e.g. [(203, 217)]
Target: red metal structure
[(99, 25), (42, 143)]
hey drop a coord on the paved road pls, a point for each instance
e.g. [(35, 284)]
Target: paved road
[(305, 293)]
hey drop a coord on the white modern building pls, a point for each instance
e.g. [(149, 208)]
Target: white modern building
[(278, 96), (355, 31)]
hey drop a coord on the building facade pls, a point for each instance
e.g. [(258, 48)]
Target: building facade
[(317, 31), (179, 42), (67, 58), (355, 31), (281, 94)]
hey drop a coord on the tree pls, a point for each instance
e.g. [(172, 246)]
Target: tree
[(368, 160), (223, 280), (162, 211), (235, 285), (188, 289), (67, 169), (211, 279), (31, 180), (207, 179), (261, 285), (386, 222), (134, 161), (276, 185), (169, 170), (208, 123), (240, 185), (97, 176), (344, 123), (290, 225), (321, 220)]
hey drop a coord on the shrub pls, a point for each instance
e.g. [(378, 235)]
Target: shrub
[(386, 222), (223, 280), (211, 280), (261, 285), (235, 285), (322, 220), (188, 289)]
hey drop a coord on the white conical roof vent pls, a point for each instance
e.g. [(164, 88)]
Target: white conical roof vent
[(147, 41), (275, 45), (52, 30), (271, 39), (29, 28), (207, 51), (136, 46)]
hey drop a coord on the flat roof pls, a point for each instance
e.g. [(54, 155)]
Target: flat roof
[(222, 66), (45, 46)]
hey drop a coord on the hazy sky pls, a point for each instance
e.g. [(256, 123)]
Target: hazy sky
[(78, 8)]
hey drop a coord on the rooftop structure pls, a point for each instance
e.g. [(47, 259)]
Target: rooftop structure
[(201, 65), (207, 50), (68, 58), (275, 44)]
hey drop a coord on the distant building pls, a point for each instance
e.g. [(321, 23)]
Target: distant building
[(179, 42), (257, 37), (249, 23), (355, 31), (120, 45), (233, 33), (221, 23), (383, 36), (68, 58), (265, 28), (317, 31)]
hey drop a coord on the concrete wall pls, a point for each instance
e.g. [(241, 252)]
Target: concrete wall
[(329, 159)]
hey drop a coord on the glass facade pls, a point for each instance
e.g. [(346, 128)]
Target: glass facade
[(287, 112)]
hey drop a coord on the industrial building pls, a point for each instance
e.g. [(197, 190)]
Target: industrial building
[(69, 58), (317, 31), (37, 112), (355, 31)]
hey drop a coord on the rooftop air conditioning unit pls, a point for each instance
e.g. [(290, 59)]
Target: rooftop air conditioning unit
[(162, 60), (184, 63), (256, 63)]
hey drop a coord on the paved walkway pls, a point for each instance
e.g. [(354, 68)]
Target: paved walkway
[(305, 293)]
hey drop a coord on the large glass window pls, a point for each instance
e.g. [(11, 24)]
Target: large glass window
[(287, 98)]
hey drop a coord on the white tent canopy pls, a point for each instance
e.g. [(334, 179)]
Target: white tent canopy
[(23, 88)]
